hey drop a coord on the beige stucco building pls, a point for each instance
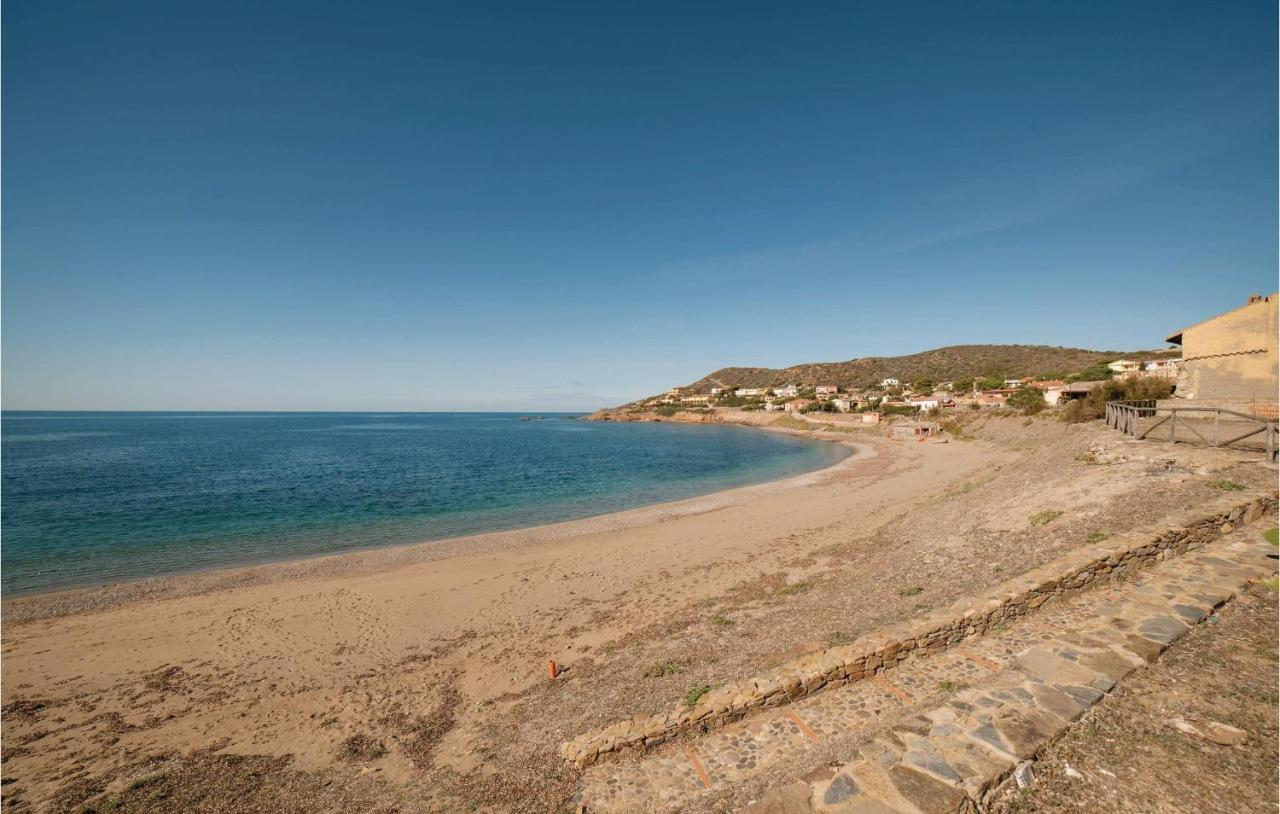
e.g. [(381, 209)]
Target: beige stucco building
[(1232, 360)]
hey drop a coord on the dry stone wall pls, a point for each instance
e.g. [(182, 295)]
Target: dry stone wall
[(1113, 559)]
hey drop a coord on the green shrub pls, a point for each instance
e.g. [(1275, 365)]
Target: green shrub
[(695, 693), (1226, 485), (1095, 373), (1027, 399)]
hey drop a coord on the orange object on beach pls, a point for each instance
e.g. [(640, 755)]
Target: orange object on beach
[(551, 669)]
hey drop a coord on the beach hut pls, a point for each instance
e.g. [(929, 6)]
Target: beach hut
[(913, 430)]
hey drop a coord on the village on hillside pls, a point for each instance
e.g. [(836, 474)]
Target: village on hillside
[(1228, 358)]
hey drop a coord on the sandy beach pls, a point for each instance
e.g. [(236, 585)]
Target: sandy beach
[(418, 675)]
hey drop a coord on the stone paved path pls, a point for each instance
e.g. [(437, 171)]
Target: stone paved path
[(935, 733)]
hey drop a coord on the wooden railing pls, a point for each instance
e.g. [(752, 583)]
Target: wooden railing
[(1127, 417)]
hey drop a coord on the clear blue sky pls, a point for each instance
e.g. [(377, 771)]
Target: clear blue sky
[(479, 205)]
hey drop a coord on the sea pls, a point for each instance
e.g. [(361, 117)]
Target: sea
[(95, 498)]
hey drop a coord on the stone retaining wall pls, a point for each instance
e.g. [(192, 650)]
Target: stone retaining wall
[(1077, 571)]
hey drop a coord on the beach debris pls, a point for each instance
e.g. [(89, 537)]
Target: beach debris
[(553, 669), (1024, 775)]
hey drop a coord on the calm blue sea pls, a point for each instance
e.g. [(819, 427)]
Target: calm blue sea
[(92, 498)]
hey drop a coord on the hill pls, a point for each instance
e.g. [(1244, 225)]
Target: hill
[(941, 364)]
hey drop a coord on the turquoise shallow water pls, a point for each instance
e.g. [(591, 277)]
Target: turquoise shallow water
[(92, 498)]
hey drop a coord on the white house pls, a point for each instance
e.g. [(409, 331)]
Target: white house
[(1013, 383), (923, 403), (787, 391), (695, 399), (1162, 369), (1124, 366), (748, 392), (889, 382), (718, 391), (1053, 394), (826, 390), (844, 405)]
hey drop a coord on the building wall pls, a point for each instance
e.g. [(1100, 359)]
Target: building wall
[(1233, 357)]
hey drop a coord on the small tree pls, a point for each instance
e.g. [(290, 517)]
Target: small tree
[(1027, 399)]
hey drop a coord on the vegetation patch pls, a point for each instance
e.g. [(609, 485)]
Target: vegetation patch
[(1272, 536), (955, 429), (1226, 485), (426, 731), (1094, 405), (1095, 537), (912, 591), (788, 422), (1045, 517), (361, 748), (663, 668), (695, 694), (720, 620), (795, 588)]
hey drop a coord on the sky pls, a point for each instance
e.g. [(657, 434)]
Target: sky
[(561, 206)]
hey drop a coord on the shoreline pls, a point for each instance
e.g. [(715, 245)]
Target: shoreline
[(28, 607)]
